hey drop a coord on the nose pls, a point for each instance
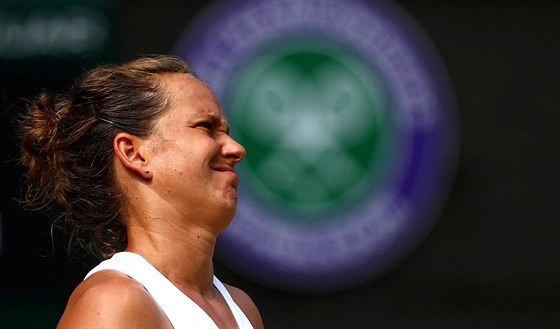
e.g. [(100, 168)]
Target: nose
[(232, 150)]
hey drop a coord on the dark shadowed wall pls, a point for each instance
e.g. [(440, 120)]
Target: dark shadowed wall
[(492, 259)]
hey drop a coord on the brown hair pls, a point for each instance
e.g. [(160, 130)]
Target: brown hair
[(67, 145)]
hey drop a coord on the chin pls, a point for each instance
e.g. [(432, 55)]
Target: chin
[(225, 222)]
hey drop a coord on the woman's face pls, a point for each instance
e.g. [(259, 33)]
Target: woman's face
[(193, 155)]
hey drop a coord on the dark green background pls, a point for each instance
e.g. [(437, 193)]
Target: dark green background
[(492, 260)]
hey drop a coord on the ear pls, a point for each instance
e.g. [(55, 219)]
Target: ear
[(130, 150)]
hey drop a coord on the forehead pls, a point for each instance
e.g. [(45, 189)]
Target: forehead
[(191, 96)]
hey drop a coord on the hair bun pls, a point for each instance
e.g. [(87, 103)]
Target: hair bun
[(38, 133), (43, 123)]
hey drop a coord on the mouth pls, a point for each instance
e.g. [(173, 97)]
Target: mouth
[(231, 172)]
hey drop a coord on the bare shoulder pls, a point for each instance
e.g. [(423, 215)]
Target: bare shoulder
[(247, 306), (112, 299)]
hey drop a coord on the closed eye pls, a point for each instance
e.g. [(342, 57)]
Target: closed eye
[(214, 126), (206, 125)]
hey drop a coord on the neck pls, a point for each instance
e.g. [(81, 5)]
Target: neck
[(183, 255)]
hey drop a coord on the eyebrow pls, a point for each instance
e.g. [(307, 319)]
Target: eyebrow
[(217, 119)]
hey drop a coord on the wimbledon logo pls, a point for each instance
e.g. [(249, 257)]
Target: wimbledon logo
[(349, 132)]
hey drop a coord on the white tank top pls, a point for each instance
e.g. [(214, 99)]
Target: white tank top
[(181, 311)]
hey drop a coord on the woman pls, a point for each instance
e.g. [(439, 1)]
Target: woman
[(139, 159)]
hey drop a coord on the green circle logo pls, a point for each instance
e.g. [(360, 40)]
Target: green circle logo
[(314, 120)]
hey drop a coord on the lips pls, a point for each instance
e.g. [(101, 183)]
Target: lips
[(231, 172)]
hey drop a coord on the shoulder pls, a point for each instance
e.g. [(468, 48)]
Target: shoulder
[(112, 299), (247, 305)]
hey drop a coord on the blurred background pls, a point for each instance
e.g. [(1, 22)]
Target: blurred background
[(490, 261)]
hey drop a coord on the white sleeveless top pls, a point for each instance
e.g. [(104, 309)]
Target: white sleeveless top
[(181, 311)]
